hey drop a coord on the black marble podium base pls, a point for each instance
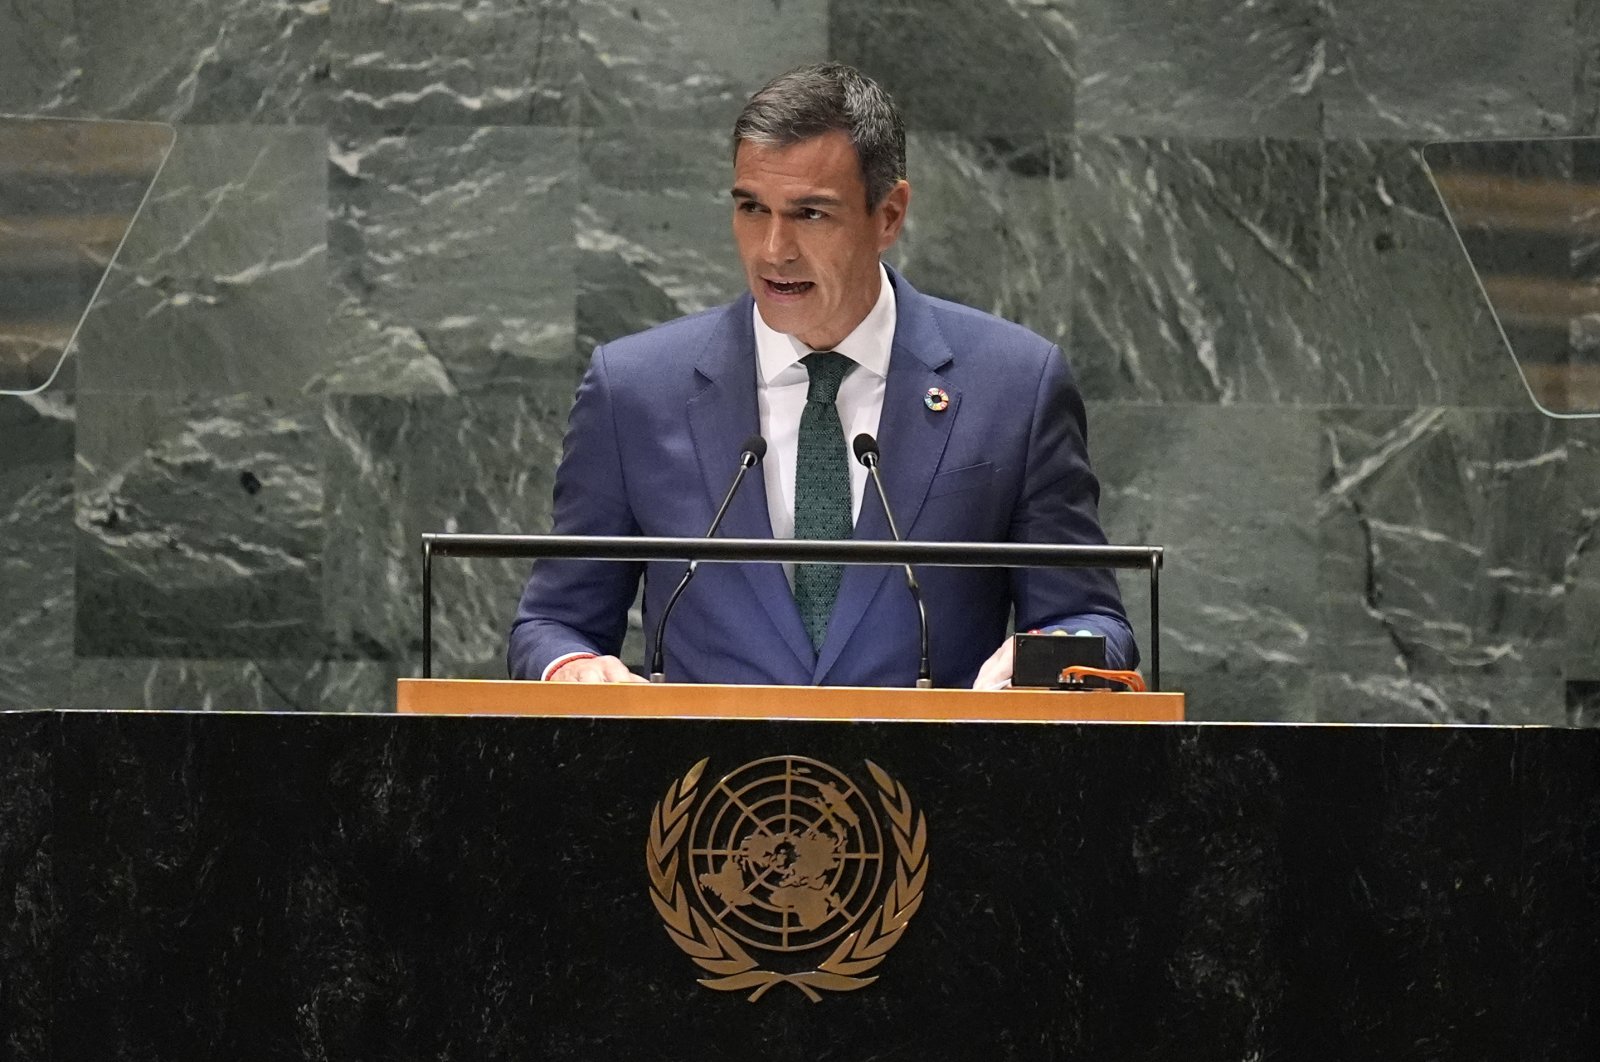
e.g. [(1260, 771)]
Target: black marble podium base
[(379, 887)]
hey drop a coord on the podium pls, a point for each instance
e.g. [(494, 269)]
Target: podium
[(839, 703), (558, 886)]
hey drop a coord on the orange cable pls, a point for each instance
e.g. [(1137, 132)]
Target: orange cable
[(1131, 679)]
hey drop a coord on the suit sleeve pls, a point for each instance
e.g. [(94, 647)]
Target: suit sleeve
[(573, 606), (1059, 503)]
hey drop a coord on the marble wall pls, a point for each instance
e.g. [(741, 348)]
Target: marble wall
[(390, 232)]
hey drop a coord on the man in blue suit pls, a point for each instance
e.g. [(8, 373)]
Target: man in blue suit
[(981, 429)]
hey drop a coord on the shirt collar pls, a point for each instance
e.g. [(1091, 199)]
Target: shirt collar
[(868, 345)]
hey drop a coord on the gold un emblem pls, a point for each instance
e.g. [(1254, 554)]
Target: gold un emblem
[(783, 862)]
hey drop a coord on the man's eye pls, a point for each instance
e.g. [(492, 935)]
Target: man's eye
[(812, 214), (747, 207)]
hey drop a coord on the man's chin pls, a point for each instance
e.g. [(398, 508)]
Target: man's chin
[(784, 317)]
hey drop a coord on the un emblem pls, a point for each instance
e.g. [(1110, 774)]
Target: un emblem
[(784, 857)]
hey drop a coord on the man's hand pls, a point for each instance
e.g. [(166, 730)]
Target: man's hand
[(995, 674), (594, 669)]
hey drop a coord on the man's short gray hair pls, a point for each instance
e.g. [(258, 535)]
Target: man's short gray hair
[(824, 98)]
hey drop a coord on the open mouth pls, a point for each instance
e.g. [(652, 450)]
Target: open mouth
[(791, 287)]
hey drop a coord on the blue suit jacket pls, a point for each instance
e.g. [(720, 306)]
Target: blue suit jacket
[(654, 441)]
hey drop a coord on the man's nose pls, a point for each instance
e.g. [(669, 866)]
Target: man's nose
[(780, 244)]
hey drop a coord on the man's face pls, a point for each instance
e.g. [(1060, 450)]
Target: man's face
[(809, 244)]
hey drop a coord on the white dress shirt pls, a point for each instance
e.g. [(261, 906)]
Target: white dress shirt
[(781, 384)]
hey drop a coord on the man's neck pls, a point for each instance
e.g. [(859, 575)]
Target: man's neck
[(867, 344)]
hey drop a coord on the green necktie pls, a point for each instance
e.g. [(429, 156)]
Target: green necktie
[(821, 488)]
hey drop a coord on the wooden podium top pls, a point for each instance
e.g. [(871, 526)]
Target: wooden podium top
[(694, 701)]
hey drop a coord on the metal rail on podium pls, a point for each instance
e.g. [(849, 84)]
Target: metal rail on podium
[(707, 701), (794, 551)]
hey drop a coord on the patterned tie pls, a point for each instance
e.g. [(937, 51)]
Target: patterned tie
[(821, 488)]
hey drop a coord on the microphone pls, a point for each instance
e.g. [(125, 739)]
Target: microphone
[(750, 455), (866, 449)]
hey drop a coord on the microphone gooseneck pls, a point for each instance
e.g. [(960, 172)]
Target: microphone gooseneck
[(750, 455), (866, 451)]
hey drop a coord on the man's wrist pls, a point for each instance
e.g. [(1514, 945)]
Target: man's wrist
[(562, 661)]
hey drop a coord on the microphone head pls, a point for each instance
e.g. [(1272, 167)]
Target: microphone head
[(865, 446), (755, 446)]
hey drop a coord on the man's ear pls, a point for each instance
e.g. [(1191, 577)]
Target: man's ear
[(891, 214)]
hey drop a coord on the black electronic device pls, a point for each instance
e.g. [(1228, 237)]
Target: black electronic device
[(1039, 659)]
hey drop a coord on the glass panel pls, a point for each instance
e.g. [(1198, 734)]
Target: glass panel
[(69, 192), (1528, 214)]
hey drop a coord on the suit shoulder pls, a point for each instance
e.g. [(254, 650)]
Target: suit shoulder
[(682, 338), (967, 328)]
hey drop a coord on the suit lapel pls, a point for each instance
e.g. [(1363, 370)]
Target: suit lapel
[(722, 415), (912, 440)]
